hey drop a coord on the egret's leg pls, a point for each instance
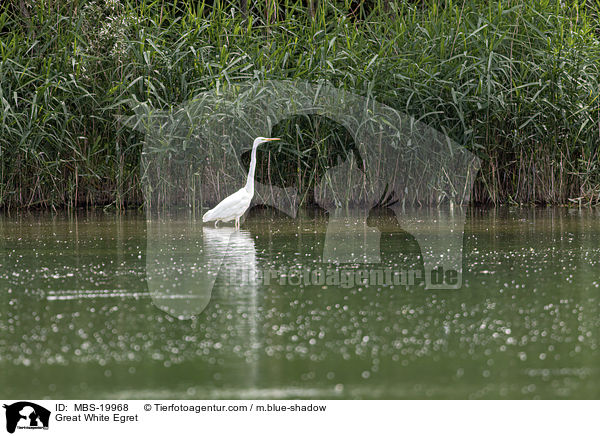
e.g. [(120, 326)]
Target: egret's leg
[(237, 223)]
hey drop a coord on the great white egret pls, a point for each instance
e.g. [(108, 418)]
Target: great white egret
[(234, 206)]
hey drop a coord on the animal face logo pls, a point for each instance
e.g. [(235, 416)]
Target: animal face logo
[(192, 159), (26, 415)]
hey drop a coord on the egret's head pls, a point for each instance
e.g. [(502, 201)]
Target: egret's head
[(260, 140)]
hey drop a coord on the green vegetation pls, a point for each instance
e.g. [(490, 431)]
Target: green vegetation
[(516, 82)]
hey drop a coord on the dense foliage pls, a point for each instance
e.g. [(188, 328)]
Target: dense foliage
[(515, 82)]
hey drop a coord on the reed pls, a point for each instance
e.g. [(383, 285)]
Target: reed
[(516, 83)]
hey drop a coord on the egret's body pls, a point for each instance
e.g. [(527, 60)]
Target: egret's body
[(234, 206)]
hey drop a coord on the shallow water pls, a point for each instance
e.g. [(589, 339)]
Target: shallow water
[(81, 316)]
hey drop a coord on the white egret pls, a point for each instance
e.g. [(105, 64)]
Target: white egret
[(234, 206)]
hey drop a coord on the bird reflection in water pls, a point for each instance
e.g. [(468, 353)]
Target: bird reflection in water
[(236, 289), (237, 249), (183, 261)]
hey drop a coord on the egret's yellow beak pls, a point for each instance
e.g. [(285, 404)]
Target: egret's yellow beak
[(272, 139)]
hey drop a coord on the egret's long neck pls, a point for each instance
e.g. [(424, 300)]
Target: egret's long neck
[(250, 181)]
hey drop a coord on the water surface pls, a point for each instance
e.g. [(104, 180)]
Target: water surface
[(79, 316)]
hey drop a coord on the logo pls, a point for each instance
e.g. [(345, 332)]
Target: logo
[(394, 166), (26, 415)]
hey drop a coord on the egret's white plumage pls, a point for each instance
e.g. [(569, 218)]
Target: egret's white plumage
[(234, 206)]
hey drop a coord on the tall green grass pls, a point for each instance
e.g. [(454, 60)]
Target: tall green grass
[(517, 83)]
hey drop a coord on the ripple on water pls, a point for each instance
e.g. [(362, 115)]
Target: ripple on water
[(524, 325)]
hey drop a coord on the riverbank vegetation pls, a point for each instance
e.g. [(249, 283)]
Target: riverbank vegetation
[(516, 83)]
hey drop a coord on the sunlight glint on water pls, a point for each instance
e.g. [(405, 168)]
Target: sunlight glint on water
[(79, 320)]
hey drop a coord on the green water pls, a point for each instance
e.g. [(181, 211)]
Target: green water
[(78, 318)]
